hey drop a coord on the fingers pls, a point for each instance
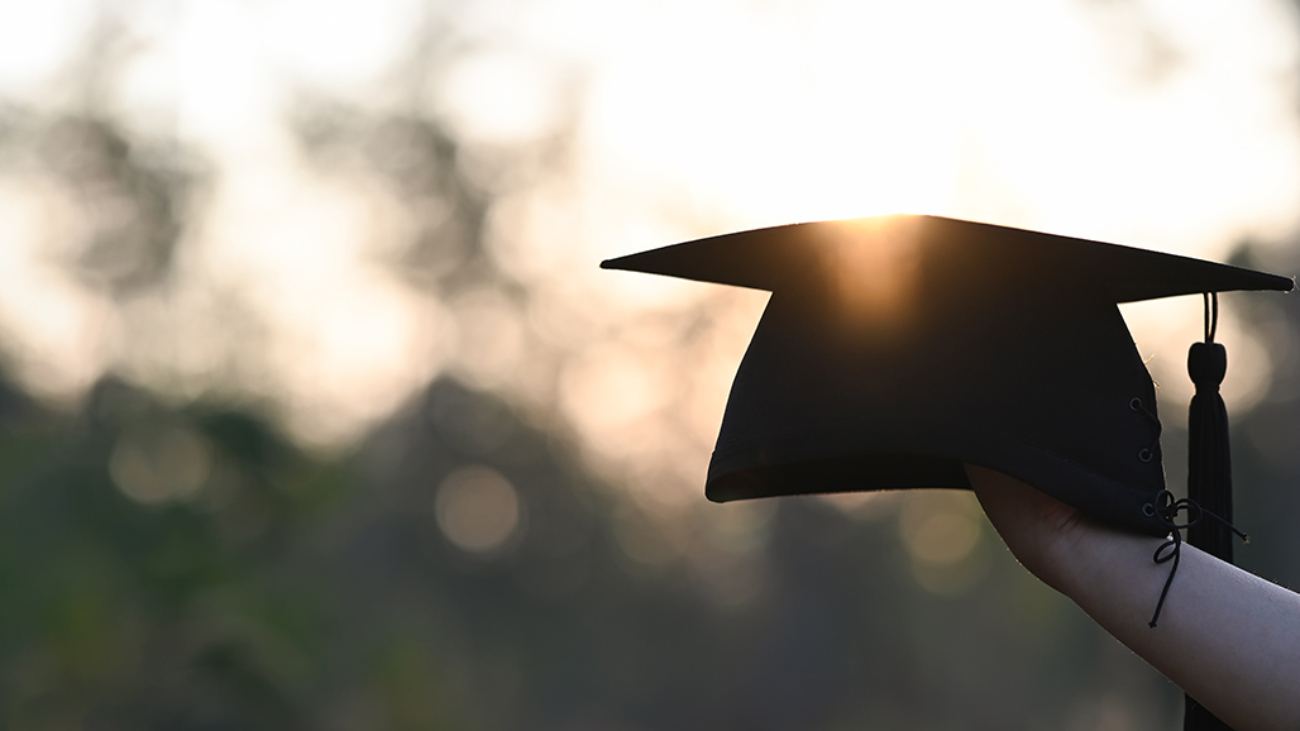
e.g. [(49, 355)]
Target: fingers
[(1038, 528)]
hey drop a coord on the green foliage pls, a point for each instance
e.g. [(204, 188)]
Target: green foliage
[(291, 591)]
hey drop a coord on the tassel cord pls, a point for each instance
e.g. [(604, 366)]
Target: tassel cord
[(1167, 509), (1211, 315)]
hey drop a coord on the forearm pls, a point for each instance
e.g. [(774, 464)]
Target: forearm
[(1228, 638)]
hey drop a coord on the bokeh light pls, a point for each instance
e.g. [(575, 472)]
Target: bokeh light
[(478, 510), (161, 465)]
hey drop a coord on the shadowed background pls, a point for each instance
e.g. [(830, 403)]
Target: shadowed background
[(316, 412)]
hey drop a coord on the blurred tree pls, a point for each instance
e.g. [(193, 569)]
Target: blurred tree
[(132, 201), (131, 193), (422, 162), (250, 586)]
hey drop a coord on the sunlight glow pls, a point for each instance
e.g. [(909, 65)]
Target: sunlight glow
[(841, 110), (874, 263)]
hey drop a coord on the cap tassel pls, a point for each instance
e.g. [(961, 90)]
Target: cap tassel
[(1209, 470), (1209, 465)]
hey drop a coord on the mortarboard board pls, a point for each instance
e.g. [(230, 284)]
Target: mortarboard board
[(895, 349)]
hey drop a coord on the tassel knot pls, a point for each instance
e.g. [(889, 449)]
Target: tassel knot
[(1206, 364)]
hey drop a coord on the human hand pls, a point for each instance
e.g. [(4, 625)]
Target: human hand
[(1039, 529)]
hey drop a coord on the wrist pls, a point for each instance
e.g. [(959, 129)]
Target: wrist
[(1099, 558)]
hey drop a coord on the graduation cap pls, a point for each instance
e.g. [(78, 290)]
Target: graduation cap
[(895, 349)]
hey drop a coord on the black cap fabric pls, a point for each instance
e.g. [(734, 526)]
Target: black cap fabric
[(895, 349)]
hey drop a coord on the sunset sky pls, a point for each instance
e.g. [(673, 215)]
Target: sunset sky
[(1153, 123)]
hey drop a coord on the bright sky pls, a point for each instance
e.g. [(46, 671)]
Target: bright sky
[(1165, 124)]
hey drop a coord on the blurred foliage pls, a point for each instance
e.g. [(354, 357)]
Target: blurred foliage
[(423, 164), (129, 196), (285, 591), (133, 202), (130, 200)]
